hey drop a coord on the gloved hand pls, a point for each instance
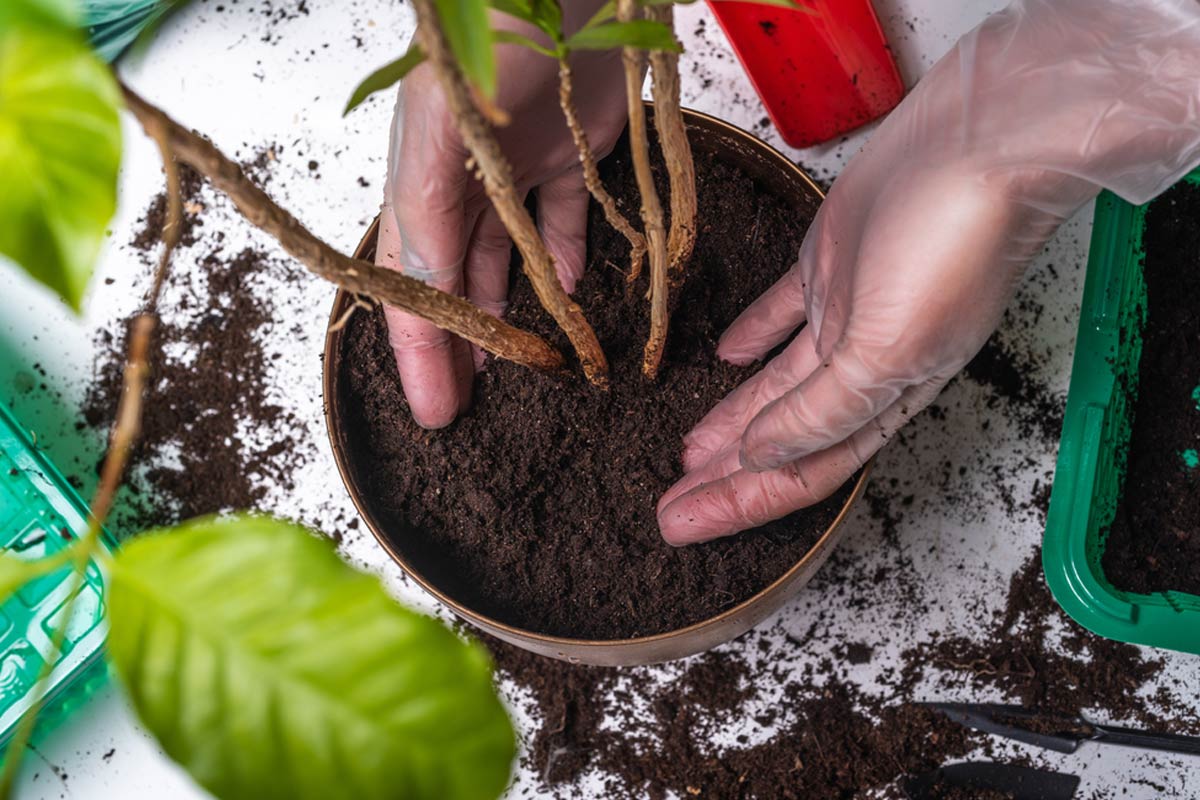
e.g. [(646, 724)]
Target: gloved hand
[(911, 260), (438, 224)]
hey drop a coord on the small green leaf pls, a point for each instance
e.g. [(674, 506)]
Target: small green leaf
[(16, 572), (384, 77), (269, 668), (510, 37), (545, 15), (640, 33), (60, 148), (465, 23), (603, 14)]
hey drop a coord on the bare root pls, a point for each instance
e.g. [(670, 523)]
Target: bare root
[(496, 174), (591, 173), (444, 310), (652, 213), (672, 137)]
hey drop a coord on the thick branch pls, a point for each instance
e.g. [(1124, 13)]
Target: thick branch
[(652, 214), (591, 174), (672, 137), (496, 174), (447, 311)]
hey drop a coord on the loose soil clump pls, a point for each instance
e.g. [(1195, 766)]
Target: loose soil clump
[(1154, 541), (537, 506)]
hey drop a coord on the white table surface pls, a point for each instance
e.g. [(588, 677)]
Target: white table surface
[(248, 82)]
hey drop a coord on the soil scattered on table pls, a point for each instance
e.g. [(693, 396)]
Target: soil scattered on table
[(213, 438), (537, 507), (1153, 543), (1041, 659)]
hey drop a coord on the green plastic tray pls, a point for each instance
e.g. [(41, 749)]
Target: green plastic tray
[(1090, 473), (39, 514)]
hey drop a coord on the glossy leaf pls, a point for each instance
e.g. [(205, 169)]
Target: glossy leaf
[(640, 33), (60, 148), (469, 33), (384, 77), (269, 668)]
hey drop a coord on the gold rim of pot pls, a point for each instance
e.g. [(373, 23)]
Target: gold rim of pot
[(766, 165)]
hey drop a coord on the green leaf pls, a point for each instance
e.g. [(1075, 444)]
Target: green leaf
[(545, 15), (56, 15), (16, 572), (465, 23), (510, 37), (640, 33), (603, 14), (269, 668), (385, 76), (60, 147)]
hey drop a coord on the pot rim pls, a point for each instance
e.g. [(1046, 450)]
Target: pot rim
[(330, 400)]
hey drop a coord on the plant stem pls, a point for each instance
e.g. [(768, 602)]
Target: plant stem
[(652, 214), (672, 137), (591, 174), (496, 173), (442, 309), (126, 428)]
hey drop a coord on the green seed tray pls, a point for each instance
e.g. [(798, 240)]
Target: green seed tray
[(40, 514), (1090, 474)]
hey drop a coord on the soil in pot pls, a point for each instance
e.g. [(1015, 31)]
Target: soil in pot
[(1154, 541), (537, 506)]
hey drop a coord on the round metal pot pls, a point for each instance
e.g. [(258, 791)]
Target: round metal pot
[(778, 174)]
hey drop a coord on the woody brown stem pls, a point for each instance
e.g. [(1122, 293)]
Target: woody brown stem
[(496, 174), (672, 138), (591, 174), (444, 310), (652, 214)]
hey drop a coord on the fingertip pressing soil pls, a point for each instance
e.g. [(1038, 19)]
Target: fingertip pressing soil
[(537, 507), (1153, 543)]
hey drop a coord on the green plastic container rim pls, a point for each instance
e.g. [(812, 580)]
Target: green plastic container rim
[(1090, 458)]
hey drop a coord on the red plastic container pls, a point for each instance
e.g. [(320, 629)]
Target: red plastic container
[(818, 74)]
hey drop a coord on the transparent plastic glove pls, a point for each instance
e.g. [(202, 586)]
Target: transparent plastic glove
[(438, 224), (924, 237)]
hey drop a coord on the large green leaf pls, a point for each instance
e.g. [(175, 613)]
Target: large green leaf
[(270, 669), (60, 147), (465, 23), (640, 33), (385, 76)]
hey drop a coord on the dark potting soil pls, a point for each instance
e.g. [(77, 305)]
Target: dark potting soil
[(212, 438), (537, 507), (1153, 543), (834, 742)]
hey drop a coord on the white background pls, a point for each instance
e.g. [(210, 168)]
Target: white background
[(247, 82)]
